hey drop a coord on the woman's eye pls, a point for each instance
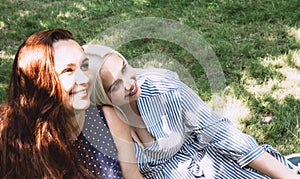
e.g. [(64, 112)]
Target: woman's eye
[(85, 66), (124, 67), (67, 70), (115, 86)]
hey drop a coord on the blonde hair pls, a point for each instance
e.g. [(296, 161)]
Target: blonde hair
[(97, 55)]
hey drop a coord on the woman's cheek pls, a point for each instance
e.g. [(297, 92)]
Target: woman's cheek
[(91, 82), (117, 97), (67, 83), (90, 76)]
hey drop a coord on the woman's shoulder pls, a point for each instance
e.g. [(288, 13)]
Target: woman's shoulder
[(156, 81)]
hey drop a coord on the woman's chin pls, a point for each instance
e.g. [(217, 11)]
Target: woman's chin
[(81, 105)]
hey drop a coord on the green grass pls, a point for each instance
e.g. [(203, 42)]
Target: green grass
[(257, 43)]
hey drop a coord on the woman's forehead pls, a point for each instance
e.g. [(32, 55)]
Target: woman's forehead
[(112, 61), (114, 54)]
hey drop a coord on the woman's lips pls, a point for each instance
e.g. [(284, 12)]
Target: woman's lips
[(83, 92), (134, 90)]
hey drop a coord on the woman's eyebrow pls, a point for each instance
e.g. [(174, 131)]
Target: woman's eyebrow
[(85, 59), (62, 67)]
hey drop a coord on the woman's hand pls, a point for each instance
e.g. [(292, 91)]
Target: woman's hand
[(270, 166)]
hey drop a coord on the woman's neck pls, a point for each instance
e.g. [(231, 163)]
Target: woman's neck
[(79, 119), (139, 129), (133, 114)]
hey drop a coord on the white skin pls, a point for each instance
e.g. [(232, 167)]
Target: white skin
[(120, 130), (124, 77), (119, 82), (121, 87), (72, 67)]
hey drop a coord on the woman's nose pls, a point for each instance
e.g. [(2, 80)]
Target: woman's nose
[(129, 84), (81, 77)]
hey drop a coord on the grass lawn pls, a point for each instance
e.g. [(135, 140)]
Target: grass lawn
[(256, 43)]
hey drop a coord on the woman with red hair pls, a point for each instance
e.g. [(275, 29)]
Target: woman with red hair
[(42, 119)]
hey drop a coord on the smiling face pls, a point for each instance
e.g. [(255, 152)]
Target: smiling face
[(72, 67), (119, 80)]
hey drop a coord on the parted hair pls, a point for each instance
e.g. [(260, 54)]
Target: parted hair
[(35, 128)]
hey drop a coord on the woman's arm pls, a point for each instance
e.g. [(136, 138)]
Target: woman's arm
[(121, 133), (268, 165)]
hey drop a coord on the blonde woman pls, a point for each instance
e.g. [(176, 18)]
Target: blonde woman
[(175, 134)]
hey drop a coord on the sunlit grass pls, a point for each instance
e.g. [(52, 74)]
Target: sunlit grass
[(294, 32), (230, 107), (268, 108), (4, 55), (278, 99), (278, 88), (2, 24), (290, 86)]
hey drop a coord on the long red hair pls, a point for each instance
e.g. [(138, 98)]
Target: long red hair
[(35, 128)]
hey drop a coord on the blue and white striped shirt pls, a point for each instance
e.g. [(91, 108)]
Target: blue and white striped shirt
[(191, 141)]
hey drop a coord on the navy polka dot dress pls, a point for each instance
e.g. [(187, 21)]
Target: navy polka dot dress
[(96, 148)]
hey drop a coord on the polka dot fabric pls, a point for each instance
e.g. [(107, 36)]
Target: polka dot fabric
[(96, 148)]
